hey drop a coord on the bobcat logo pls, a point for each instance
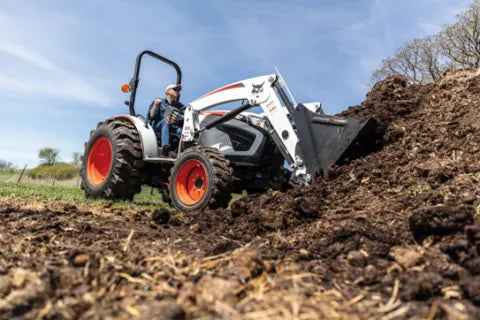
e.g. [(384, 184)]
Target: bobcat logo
[(257, 88)]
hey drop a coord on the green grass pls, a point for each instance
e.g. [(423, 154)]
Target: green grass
[(67, 190), (236, 196), (7, 174), (39, 192), (415, 191), (45, 192)]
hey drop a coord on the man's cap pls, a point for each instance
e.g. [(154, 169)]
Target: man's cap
[(173, 86)]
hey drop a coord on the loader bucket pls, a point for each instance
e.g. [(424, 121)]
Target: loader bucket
[(328, 140)]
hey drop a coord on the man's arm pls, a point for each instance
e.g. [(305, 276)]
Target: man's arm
[(156, 103)]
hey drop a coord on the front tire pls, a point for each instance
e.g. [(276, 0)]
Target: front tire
[(201, 178), (112, 161)]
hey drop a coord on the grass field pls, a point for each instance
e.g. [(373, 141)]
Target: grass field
[(68, 190), (44, 190)]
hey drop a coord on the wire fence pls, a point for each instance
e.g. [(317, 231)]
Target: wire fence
[(23, 179), (19, 178)]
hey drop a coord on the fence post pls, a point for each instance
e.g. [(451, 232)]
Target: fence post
[(54, 177), (78, 182), (21, 174)]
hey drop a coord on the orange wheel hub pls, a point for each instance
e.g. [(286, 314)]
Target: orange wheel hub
[(191, 183), (99, 161)]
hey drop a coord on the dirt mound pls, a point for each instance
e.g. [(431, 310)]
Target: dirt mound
[(388, 100), (393, 234), (257, 215), (423, 184)]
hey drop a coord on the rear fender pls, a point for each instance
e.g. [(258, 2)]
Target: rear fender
[(147, 136)]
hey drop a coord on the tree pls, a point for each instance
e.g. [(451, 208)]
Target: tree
[(76, 159), (460, 42), (48, 155), (5, 164), (425, 60), (419, 60), (432, 63)]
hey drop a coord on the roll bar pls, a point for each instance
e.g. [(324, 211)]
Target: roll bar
[(134, 82)]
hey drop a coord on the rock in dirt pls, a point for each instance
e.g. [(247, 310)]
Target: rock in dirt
[(407, 257), (439, 220)]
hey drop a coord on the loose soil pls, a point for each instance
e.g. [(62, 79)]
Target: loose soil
[(393, 235)]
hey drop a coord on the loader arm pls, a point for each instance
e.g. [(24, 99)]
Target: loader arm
[(309, 140), (259, 91)]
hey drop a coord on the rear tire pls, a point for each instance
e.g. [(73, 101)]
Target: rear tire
[(112, 161), (201, 178)]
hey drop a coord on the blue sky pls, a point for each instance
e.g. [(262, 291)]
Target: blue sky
[(62, 62)]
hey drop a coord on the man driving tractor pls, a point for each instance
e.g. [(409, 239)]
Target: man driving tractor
[(165, 115), (122, 154)]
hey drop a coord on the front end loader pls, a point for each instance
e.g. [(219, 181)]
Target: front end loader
[(220, 152)]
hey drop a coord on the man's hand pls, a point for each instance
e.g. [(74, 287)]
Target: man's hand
[(175, 114), (169, 120), (156, 102)]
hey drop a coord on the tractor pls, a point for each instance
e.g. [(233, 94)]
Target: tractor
[(219, 152)]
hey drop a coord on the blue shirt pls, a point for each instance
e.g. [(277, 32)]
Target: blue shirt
[(160, 112)]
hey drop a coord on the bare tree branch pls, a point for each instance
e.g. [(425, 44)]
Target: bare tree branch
[(425, 60)]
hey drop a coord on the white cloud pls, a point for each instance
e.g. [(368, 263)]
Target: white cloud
[(76, 90), (59, 82), (27, 55)]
